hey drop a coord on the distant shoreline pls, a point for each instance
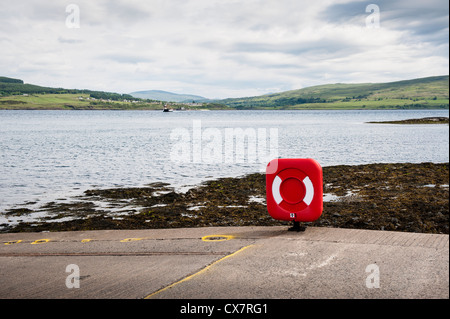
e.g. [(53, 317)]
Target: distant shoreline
[(414, 94), (6, 107)]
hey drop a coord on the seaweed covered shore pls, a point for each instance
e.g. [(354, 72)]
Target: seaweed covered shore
[(425, 120), (397, 197)]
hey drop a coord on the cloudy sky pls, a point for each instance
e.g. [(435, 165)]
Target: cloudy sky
[(221, 48)]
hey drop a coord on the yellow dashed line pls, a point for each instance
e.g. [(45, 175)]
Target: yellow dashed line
[(40, 241), (13, 242), (127, 240), (209, 238)]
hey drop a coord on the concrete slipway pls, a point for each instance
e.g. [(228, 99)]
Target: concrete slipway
[(224, 263)]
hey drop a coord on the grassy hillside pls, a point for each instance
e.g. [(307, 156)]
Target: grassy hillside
[(15, 94), (432, 92), (86, 102), (68, 102), (11, 87)]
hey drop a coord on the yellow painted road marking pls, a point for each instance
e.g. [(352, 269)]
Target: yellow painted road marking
[(197, 273), (40, 241), (127, 240), (217, 238), (209, 238), (13, 242)]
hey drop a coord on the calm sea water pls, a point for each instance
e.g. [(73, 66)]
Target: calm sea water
[(45, 155)]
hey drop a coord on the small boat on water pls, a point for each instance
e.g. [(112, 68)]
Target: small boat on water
[(166, 109)]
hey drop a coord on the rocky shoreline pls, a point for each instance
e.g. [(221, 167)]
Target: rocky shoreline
[(394, 197), (425, 120)]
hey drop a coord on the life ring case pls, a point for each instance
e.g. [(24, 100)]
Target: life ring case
[(294, 189)]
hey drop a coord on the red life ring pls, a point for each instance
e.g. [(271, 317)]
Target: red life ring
[(294, 189)]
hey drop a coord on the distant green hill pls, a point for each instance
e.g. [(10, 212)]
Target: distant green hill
[(17, 95), (11, 87), (4, 79), (168, 96), (430, 92)]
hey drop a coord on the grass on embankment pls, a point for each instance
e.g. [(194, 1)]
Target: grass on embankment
[(68, 102)]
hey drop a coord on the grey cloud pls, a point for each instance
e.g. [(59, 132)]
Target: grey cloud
[(112, 13), (246, 60), (344, 12), (420, 18), (125, 12), (18, 15), (125, 58), (69, 41), (308, 47), (322, 46)]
